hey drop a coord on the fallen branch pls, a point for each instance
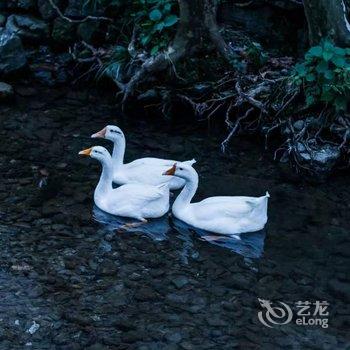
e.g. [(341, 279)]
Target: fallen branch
[(70, 20)]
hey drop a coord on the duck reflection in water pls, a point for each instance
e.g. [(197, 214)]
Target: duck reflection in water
[(156, 229), (249, 245)]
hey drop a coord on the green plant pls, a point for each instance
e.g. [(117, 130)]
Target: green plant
[(117, 60), (256, 55), (156, 18), (325, 75)]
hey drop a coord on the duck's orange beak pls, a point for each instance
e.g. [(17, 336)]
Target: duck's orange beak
[(86, 152), (170, 171), (100, 134)]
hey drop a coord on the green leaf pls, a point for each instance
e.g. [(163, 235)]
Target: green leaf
[(339, 61), (322, 67), (167, 7), (170, 20), (328, 74), (328, 45), (155, 15), (159, 26), (154, 50), (339, 51), (316, 51), (310, 77), (301, 69), (327, 55), (145, 39), (310, 100)]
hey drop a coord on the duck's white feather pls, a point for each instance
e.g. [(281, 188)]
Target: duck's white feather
[(223, 214), (133, 200)]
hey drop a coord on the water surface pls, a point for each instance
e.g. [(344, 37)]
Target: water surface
[(67, 268)]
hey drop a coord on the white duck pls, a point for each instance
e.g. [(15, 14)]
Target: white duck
[(135, 200), (143, 170), (222, 215)]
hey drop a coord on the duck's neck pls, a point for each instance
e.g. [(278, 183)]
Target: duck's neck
[(104, 185), (187, 193), (118, 153)]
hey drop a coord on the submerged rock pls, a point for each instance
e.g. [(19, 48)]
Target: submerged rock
[(28, 27), (6, 91), (12, 55)]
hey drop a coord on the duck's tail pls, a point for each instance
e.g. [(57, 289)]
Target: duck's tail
[(190, 162)]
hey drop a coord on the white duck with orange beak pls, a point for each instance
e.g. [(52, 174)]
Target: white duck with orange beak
[(143, 170), (134, 200), (222, 215)]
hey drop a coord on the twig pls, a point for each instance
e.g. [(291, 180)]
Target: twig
[(235, 127), (87, 18)]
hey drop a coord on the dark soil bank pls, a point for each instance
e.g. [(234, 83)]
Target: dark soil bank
[(70, 280)]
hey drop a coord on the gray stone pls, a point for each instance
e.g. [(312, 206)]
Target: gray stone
[(180, 281), (28, 27), (6, 91), (12, 55), (321, 157)]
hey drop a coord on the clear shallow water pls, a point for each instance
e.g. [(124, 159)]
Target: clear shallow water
[(65, 267)]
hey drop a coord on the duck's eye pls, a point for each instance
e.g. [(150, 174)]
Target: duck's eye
[(181, 169), (115, 131)]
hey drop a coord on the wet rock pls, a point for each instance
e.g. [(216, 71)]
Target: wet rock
[(175, 337), (108, 268), (180, 281), (28, 27), (12, 55), (322, 158), (63, 31), (6, 91)]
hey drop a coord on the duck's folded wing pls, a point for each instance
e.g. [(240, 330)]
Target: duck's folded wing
[(136, 192), (151, 161), (207, 210), (150, 174)]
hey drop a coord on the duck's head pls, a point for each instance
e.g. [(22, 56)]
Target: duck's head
[(110, 132), (97, 152), (183, 170)]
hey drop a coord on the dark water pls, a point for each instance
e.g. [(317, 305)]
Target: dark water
[(71, 278)]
